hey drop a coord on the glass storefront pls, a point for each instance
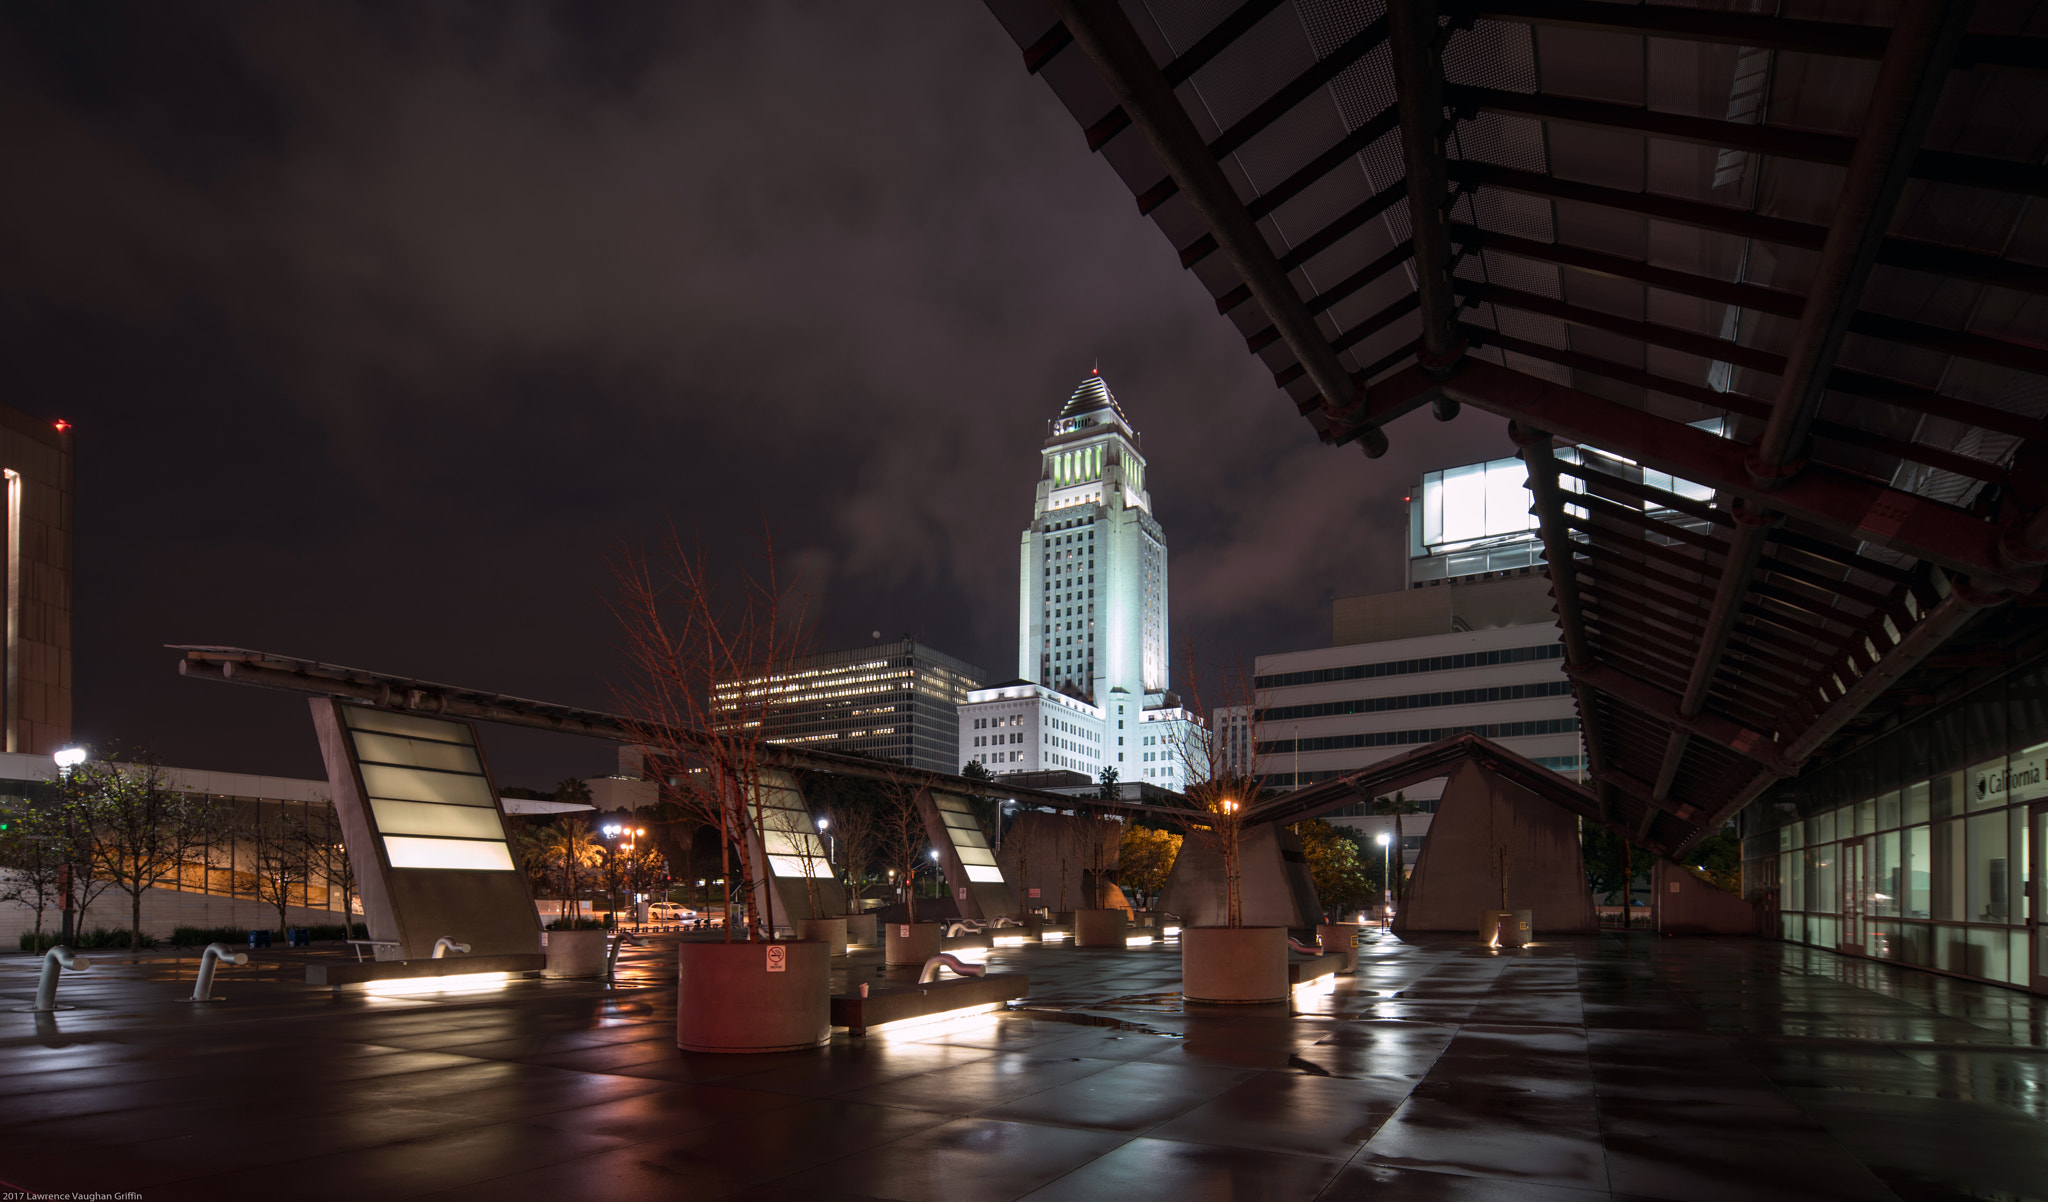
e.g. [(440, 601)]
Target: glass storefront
[(1931, 867)]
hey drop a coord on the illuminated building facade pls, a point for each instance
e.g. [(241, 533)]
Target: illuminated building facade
[(895, 701), (1091, 688), (35, 660)]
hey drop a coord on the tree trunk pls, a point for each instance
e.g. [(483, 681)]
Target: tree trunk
[(135, 921)]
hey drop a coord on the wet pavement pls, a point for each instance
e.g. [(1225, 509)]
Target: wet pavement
[(1619, 1066)]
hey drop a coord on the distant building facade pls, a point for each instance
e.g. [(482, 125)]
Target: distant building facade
[(35, 659), (1092, 657), (1470, 645), (895, 701)]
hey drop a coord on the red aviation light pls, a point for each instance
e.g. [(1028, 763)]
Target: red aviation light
[(63, 427)]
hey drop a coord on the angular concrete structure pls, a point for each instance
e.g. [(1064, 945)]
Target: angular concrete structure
[(424, 833), (1274, 886), (1486, 829)]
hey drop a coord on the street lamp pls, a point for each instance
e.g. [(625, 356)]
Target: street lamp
[(68, 758)]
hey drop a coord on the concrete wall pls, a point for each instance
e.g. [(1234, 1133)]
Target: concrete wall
[(163, 909), (1274, 889), (1444, 608), (1687, 905), (1486, 826), (1035, 844)]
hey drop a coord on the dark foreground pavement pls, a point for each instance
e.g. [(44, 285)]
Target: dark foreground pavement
[(1613, 1067)]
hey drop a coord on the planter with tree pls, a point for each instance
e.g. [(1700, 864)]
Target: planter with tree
[(706, 738), (905, 846), (1231, 963)]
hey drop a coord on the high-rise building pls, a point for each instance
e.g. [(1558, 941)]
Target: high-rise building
[(895, 701), (1091, 689), (35, 659), (1092, 580)]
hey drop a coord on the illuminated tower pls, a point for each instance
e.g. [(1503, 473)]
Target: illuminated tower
[(1092, 603)]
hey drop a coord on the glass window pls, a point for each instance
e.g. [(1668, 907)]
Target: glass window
[(1830, 855), (2022, 904), (1989, 889), (1885, 881), (1952, 950), (1791, 881), (1986, 785), (1866, 816), (1987, 953), (1919, 875), (1943, 797), (1887, 811), (1916, 803), (1820, 828), (1949, 873)]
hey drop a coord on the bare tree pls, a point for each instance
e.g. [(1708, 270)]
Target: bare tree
[(320, 831), (707, 676), (283, 860), (853, 817), (32, 863), (1222, 783), (141, 831), (900, 834)]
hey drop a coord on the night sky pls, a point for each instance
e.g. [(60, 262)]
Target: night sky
[(382, 326)]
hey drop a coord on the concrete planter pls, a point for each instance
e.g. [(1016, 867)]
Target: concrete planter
[(731, 997), (1100, 928), (576, 953), (1340, 938), (830, 930), (1233, 965), (860, 928), (1513, 927), (912, 943)]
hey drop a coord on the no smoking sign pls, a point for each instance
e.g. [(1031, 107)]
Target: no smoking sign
[(778, 958)]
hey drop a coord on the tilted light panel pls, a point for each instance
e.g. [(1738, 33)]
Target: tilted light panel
[(427, 792)]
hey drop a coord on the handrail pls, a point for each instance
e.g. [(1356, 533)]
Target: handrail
[(202, 989), (611, 961), (948, 960), (444, 943), (1306, 949), (46, 987)]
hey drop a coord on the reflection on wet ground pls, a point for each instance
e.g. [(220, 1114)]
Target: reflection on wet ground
[(1618, 1066)]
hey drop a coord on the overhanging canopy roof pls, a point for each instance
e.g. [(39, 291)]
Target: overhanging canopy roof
[(1782, 279)]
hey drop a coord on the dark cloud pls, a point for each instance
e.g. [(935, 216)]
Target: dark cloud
[(382, 325)]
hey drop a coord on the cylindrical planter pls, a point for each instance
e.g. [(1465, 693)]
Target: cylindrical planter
[(1340, 938), (1233, 965), (576, 953), (912, 943), (753, 997), (860, 928), (831, 930), (1099, 928)]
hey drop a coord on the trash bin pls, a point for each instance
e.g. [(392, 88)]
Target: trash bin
[(298, 937), (259, 938)]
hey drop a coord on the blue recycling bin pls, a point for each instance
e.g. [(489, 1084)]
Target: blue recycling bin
[(259, 938), (299, 937)]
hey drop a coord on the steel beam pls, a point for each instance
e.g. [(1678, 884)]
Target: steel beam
[(2006, 175), (1923, 42), (1416, 41), (1564, 583), (1839, 503), (1839, 39), (1184, 65), (1662, 706), (1908, 254), (1104, 33)]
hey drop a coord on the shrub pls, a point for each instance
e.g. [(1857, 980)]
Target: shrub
[(201, 936), (101, 938), (579, 924)]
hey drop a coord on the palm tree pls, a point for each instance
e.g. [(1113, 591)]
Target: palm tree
[(1396, 805)]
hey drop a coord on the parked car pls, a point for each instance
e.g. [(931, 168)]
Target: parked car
[(669, 912)]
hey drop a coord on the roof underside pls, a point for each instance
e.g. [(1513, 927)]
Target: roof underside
[(1779, 279)]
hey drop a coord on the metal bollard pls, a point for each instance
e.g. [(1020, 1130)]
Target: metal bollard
[(948, 960), (442, 945), (1306, 949), (46, 988), (611, 962), (202, 989)]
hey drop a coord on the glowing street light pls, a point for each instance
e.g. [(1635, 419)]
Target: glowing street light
[(68, 758)]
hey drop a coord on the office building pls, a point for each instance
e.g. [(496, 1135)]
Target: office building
[(1091, 690), (894, 701), (35, 659)]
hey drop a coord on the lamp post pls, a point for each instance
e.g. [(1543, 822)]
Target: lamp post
[(1386, 869)]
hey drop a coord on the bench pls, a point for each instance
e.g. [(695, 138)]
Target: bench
[(890, 1004), (1300, 972), (363, 972), (360, 944)]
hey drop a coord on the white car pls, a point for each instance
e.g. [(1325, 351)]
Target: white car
[(669, 912)]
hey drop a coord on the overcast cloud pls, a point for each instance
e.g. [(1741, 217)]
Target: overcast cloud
[(382, 324)]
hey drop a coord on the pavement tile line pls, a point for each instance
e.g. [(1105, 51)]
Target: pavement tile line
[(1617, 1066)]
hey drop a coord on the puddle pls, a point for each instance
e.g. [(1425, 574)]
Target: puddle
[(1082, 1019)]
